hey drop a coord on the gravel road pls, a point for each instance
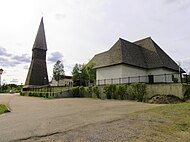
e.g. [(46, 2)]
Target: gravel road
[(71, 119)]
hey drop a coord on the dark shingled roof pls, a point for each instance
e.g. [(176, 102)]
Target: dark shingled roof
[(40, 41), (143, 53)]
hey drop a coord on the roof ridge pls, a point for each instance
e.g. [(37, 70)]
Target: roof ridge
[(149, 37), (101, 53)]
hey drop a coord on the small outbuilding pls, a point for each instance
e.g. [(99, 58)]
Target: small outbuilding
[(66, 82)]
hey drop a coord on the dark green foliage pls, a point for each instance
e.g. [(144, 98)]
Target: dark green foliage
[(91, 72), (58, 71), (96, 91), (40, 94), (83, 74), (22, 93), (121, 92), (134, 91), (110, 91), (79, 75), (82, 92), (175, 80), (46, 95), (89, 92), (187, 94), (137, 91), (5, 88), (75, 91), (36, 94)]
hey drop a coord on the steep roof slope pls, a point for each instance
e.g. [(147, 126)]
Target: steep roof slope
[(144, 53), (155, 56), (40, 41)]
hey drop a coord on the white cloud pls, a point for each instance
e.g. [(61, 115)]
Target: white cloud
[(3, 52), (20, 59), (55, 56)]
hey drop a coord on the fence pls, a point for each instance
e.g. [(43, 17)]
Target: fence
[(47, 91), (51, 89), (150, 79)]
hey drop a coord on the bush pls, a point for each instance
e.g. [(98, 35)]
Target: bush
[(47, 95), (121, 92), (82, 92), (187, 95), (175, 80), (110, 91), (75, 91), (137, 91), (96, 91), (40, 94), (22, 93), (89, 92)]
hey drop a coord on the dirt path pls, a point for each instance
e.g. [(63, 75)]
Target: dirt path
[(36, 119)]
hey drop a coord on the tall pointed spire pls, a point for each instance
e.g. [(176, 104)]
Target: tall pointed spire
[(40, 41), (37, 74)]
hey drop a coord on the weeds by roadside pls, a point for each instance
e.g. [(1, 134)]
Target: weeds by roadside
[(3, 109)]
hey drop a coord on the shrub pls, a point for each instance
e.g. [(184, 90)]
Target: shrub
[(137, 91), (47, 95), (187, 94), (175, 80), (22, 93), (40, 94), (82, 92), (110, 91), (121, 92), (75, 91), (30, 94), (89, 92), (96, 91)]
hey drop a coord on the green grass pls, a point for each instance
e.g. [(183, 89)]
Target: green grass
[(171, 124), (3, 109)]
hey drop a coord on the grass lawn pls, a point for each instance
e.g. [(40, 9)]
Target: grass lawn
[(169, 123), (3, 109)]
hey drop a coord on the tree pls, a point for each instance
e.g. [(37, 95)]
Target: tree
[(58, 71), (77, 74), (83, 74), (91, 72)]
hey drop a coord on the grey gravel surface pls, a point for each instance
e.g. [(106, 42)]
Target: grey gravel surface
[(38, 119)]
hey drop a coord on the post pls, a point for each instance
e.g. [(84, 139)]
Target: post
[(186, 79), (180, 77), (165, 77), (58, 79), (119, 80), (128, 80), (1, 71)]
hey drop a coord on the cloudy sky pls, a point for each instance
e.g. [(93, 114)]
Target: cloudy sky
[(76, 30)]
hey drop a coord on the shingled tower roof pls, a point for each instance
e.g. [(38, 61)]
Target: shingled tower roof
[(144, 53), (40, 41)]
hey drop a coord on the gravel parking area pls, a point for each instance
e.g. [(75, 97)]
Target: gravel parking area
[(71, 119)]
